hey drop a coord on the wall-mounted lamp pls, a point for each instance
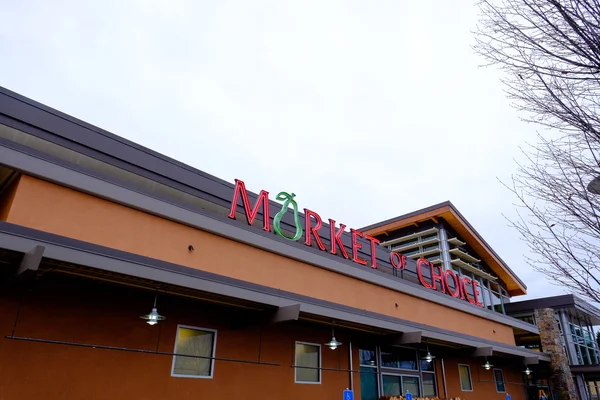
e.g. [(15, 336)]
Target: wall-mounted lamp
[(527, 371), (333, 343), (487, 364), (153, 317), (428, 357)]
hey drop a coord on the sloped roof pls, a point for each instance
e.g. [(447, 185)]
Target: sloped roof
[(459, 223)]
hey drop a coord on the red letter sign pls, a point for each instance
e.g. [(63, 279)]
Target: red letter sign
[(420, 263), (476, 291), (455, 282), (397, 260), (336, 238), (251, 213), (356, 246), (435, 277), (313, 231), (373, 251), (467, 280)]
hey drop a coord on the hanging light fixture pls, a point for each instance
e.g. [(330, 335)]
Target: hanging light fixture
[(487, 364), (527, 370), (154, 316), (333, 343), (428, 357)]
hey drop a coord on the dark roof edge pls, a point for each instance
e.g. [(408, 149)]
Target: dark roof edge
[(105, 133), (408, 215), (467, 223), (555, 302)]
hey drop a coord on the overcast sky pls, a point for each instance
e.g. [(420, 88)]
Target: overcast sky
[(365, 109)]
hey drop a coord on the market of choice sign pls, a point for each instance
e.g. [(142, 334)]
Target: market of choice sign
[(449, 282)]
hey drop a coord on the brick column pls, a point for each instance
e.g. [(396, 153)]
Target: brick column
[(561, 380)]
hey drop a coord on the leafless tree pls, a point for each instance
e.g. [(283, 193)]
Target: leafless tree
[(549, 51)]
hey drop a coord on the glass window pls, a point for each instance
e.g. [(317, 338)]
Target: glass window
[(308, 356), (367, 357), (428, 384), (464, 371), (399, 357), (395, 385), (392, 385), (499, 378), (410, 384), (412, 252), (405, 243), (434, 246), (430, 236), (426, 366), (368, 383), (200, 345)]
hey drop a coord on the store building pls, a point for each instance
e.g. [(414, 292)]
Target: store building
[(96, 231), (566, 334)]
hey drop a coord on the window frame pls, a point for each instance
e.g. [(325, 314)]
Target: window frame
[(470, 380), (496, 381), (416, 353), (213, 352), (402, 375), (296, 363)]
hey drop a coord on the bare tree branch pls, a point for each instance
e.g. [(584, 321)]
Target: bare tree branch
[(550, 53)]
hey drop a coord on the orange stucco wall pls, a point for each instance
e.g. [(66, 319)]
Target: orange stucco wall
[(483, 380), (48, 207), (99, 314), (6, 200)]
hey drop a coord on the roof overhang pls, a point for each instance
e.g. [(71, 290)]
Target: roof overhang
[(568, 302), (35, 245), (452, 216)]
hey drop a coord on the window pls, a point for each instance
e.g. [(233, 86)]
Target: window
[(585, 343), (399, 358), (396, 385), (464, 372), (368, 374), (368, 383), (198, 343), (499, 378), (308, 356), (428, 385)]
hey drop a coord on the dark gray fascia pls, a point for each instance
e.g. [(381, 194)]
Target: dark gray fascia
[(20, 239), (565, 301)]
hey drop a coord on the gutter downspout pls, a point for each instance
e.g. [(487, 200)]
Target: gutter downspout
[(444, 377), (350, 368)]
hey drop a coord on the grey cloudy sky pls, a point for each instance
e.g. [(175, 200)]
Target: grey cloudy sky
[(365, 109)]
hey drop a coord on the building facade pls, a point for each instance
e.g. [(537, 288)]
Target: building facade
[(567, 334), (263, 299)]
